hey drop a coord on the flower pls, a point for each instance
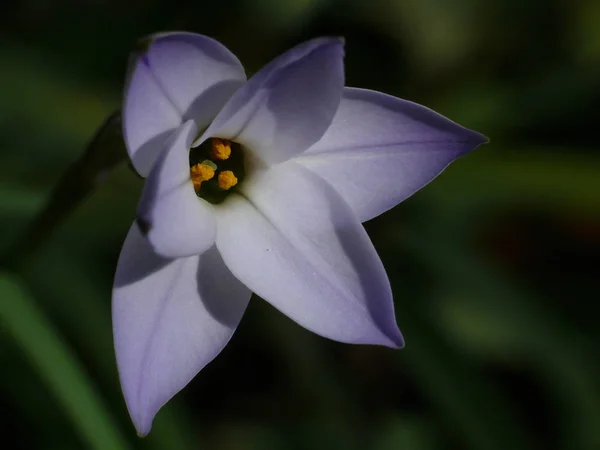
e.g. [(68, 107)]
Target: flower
[(258, 186)]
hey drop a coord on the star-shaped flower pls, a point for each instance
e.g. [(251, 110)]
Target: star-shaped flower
[(258, 186)]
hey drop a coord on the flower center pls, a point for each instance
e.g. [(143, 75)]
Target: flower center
[(216, 168)]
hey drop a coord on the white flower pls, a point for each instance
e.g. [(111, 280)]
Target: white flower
[(313, 159)]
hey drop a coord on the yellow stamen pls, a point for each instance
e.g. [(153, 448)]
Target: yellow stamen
[(200, 173), (221, 149), (227, 180)]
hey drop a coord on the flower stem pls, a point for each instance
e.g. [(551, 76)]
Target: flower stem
[(105, 150), (58, 367)]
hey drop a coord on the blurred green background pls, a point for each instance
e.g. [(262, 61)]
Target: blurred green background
[(494, 265)]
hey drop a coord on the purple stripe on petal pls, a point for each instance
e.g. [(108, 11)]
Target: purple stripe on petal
[(293, 240), (170, 319), (288, 105), (176, 77), (380, 150)]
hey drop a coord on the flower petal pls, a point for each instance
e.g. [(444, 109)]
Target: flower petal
[(177, 223), (288, 105), (380, 150), (293, 240), (149, 118), (170, 319), (177, 75)]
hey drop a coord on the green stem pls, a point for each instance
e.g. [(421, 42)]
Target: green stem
[(57, 367), (104, 151)]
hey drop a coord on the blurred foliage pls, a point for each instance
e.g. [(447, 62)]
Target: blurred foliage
[(494, 265)]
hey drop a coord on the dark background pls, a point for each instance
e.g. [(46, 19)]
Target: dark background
[(494, 265)]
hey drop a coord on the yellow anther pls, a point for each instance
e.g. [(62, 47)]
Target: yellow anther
[(200, 173), (227, 180), (221, 149)]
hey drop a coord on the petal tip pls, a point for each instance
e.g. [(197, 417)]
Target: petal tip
[(480, 139), (339, 41), (399, 343), (329, 42), (140, 434), (386, 335), (142, 427), (141, 46), (394, 338), (471, 141), (141, 417)]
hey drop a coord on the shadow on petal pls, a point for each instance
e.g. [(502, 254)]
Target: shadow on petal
[(205, 107), (372, 279), (202, 110), (224, 296), (148, 153), (137, 260)]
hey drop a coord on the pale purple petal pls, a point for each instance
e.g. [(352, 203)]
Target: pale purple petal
[(293, 240), (288, 105), (176, 222), (380, 150), (176, 76), (149, 118), (170, 319)]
